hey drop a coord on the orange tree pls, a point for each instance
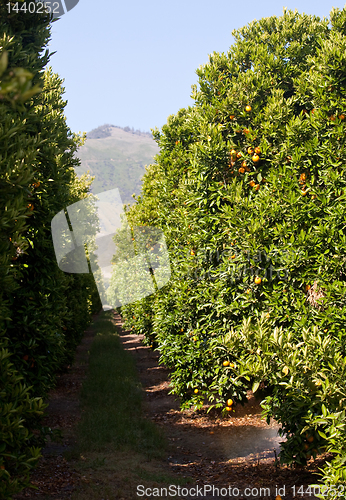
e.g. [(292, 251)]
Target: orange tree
[(43, 311), (249, 188)]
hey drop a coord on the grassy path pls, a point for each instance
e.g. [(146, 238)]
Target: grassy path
[(119, 434), (118, 448)]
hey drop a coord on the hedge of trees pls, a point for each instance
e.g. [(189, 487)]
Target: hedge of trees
[(43, 311), (249, 188)]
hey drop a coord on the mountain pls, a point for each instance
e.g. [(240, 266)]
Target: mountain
[(117, 157)]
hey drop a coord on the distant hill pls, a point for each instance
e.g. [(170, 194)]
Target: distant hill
[(116, 157)]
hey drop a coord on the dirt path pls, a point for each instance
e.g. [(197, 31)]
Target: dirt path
[(236, 452)]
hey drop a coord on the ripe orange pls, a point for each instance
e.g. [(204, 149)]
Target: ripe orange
[(332, 117), (258, 280), (196, 391), (252, 183), (248, 290), (255, 158), (239, 154), (31, 206), (307, 287), (257, 187), (192, 252), (244, 164), (342, 116), (233, 152), (248, 108), (250, 150), (246, 131), (241, 170), (229, 402), (231, 117), (225, 363), (311, 439), (257, 150), (36, 184), (304, 193), (228, 408), (233, 257)]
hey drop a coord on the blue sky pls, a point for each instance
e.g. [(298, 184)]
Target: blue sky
[(134, 63)]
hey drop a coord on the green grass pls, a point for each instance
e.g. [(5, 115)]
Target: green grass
[(111, 400)]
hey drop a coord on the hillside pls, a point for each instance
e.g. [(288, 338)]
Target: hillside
[(117, 158)]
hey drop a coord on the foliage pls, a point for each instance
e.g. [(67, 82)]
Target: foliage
[(249, 189), (43, 312)]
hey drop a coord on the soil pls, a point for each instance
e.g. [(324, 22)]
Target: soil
[(238, 451)]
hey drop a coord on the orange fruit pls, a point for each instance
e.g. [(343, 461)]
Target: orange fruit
[(304, 193), (250, 150), (255, 158), (258, 280), (244, 164), (231, 117), (225, 363), (239, 154), (306, 446), (311, 439), (252, 183), (31, 206), (342, 116), (233, 257), (257, 150), (192, 252), (228, 408), (307, 287), (257, 187), (241, 170), (233, 152), (246, 131), (196, 391), (36, 184), (229, 402), (248, 290), (248, 108), (26, 357), (332, 117)]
